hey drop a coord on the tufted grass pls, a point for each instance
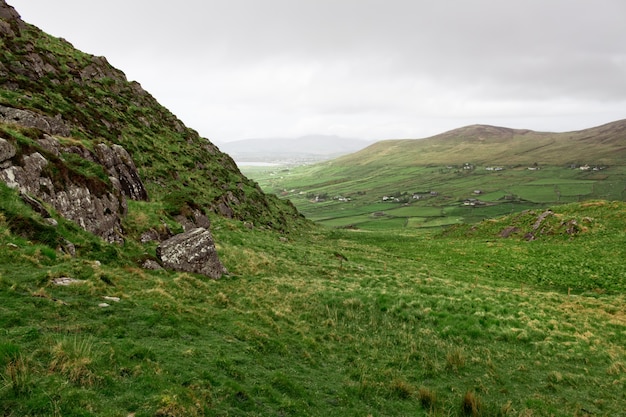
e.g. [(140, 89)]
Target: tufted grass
[(411, 324)]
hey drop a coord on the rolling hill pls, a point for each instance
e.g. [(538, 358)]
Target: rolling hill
[(464, 175), (483, 145), (308, 321)]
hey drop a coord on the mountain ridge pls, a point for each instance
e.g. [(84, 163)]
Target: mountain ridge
[(486, 144)]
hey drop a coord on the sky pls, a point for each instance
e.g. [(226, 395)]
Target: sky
[(367, 69)]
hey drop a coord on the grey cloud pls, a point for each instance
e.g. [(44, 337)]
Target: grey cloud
[(380, 68)]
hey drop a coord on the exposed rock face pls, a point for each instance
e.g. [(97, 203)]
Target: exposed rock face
[(12, 20), (98, 213), (7, 151), (120, 165), (89, 202), (192, 251), (26, 118), (115, 160)]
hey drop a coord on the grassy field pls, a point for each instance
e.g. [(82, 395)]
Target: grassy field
[(353, 196), (410, 323), (383, 314)]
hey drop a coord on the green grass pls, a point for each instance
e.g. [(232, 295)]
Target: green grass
[(514, 189), (413, 323), (393, 317)]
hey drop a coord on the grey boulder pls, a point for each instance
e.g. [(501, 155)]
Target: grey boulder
[(192, 251)]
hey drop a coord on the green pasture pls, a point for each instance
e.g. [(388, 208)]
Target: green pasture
[(428, 222), (503, 192), (384, 320), (414, 211)]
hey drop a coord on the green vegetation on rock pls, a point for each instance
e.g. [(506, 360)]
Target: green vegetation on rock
[(46, 75)]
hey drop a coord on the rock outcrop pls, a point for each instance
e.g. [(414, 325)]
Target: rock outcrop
[(26, 118), (10, 20), (192, 251), (120, 165), (193, 220), (95, 204)]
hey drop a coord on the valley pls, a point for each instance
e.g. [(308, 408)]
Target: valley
[(399, 190), (477, 273), (424, 197)]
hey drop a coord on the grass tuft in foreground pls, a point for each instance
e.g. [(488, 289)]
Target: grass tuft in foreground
[(464, 323)]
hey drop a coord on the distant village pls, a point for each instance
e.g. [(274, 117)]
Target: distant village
[(407, 197)]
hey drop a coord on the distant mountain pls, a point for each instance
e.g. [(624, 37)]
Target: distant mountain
[(310, 148), (483, 144)]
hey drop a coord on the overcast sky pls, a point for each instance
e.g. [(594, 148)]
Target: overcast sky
[(371, 69)]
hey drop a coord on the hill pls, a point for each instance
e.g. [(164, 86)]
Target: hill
[(461, 176), (470, 323), (309, 321), (53, 89), (311, 148), (483, 145)]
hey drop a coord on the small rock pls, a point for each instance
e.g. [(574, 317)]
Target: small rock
[(68, 248), (151, 265), (541, 218), (35, 205), (114, 299), (509, 231), (12, 246), (65, 281), (103, 305), (149, 236), (7, 151)]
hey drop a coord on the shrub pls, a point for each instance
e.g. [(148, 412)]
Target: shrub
[(15, 373), (402, 389)]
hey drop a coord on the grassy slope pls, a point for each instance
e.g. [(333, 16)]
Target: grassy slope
[(178, 167), (411, 324), (485, 145)]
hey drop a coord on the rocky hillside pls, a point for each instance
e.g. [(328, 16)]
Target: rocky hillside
[(78, 136)]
